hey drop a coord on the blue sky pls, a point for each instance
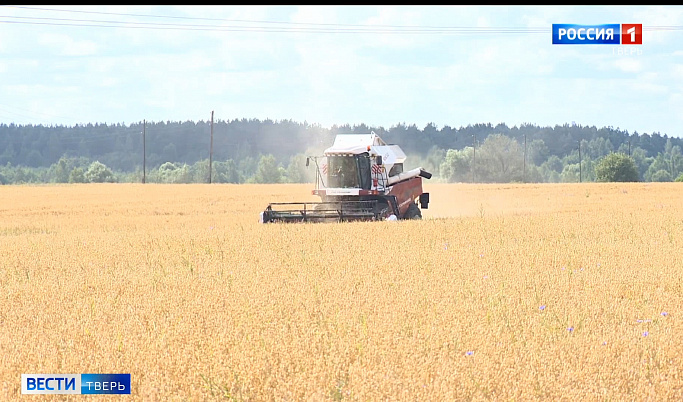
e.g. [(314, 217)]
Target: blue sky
[(412, 65)]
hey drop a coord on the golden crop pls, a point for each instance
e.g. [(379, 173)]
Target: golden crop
[(508, 292)]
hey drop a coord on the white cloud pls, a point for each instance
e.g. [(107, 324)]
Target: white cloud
[(65, 45), (315, 15), (483, 22), (328, 78), (628, 64), (646, 87), (658, 16), (677, 71)]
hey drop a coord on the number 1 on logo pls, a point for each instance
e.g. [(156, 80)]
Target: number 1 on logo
[(632, 31), (631, 34)]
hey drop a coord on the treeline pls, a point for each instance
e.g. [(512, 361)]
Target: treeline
[(274, 151)]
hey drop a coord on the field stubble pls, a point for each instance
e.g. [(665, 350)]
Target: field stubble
[(502, 291)]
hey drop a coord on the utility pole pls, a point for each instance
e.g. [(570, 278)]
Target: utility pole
[(211, 148), (524, 172), (580, 173), (474, 154), (144, 152), (629, 147)]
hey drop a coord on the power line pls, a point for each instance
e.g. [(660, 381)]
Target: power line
[(521, 29), (298, 27), (228, 28), (232, 20), (257, 21), (291, 27), (4, 111), (6, 108)]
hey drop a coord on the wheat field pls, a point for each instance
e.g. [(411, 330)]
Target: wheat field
[(503, 292)]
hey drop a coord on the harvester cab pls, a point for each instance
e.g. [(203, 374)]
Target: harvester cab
[(360, 177)]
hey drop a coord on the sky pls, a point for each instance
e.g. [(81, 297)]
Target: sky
[(335, 65)]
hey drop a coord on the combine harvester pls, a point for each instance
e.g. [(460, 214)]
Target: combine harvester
[(359, 178)]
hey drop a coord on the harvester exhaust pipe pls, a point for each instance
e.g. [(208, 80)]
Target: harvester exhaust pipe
[(425, 174)]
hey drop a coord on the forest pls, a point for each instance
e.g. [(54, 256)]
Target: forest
[(267, 151)]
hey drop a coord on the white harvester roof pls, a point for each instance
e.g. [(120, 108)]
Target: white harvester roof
[(353, 144)]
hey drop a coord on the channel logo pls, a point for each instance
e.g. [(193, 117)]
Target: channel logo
[(78, 384), (605, 34), (631, 34)]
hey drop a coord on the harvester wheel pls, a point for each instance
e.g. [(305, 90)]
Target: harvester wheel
[(413, 212)]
